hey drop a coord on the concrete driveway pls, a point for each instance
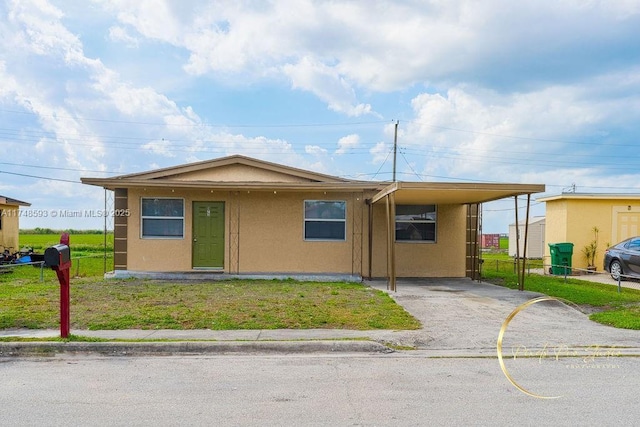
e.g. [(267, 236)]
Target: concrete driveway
[(463, 316)]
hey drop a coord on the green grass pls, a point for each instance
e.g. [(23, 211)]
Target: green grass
[(504, 243), (78, 242), (28, 302), (621, 310), (224, 305)]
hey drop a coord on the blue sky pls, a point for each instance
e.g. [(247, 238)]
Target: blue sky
[(542, 92)]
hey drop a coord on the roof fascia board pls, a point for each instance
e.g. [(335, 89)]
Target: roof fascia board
[(511, 189), (385, 192), (263, 186), (12, 202), (589, 196)]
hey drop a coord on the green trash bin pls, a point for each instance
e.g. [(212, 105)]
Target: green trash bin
[(561, 254)]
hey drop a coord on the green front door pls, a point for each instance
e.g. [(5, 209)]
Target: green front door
[(208, 234)]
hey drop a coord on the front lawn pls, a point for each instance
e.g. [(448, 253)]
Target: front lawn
[(618, 309), (236, 304)]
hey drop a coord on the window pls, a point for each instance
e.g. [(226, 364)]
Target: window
[(416, 223), (162, 218), (325, 220), (634, 245), (0, 219)]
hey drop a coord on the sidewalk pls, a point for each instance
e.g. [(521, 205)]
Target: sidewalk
[(459, 317)]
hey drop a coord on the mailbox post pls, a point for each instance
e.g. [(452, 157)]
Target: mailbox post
[(58, 257)]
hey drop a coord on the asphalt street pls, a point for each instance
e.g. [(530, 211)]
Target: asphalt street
[(397, 389)]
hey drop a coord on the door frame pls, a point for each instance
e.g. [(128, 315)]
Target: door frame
[(223, 237)]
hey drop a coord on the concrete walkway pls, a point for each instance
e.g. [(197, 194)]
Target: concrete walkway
[(460, 317)]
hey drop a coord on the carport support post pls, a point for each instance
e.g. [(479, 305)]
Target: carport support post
[(391, 252), (521, 271), (517, 260), (392, 223), (524, 249), (370, 206)]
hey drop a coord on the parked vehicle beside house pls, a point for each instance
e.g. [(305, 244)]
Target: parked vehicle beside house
[(623, 258)]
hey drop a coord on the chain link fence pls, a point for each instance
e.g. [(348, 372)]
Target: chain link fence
[(94, 265), (544, 267)]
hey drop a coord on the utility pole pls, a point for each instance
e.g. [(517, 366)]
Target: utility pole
[(395, 149)]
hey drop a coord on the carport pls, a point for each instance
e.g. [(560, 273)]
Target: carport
[(470, 194)]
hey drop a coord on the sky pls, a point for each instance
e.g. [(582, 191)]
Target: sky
[(527, 91)]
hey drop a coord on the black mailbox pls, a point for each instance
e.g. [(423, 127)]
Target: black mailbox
[(57, 255)]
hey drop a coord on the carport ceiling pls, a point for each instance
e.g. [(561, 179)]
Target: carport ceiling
[(411, 193)]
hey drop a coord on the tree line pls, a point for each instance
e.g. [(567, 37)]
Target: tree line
[(39, 230)]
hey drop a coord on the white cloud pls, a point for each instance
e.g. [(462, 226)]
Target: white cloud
[(327, 84), (120, 34), (314, 150), (342, 51), (160, 147), (380, 152), (347, 143)]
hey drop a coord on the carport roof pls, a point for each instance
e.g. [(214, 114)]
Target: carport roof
[(453, 193)]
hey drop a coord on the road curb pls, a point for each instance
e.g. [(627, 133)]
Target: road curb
[(20, 349)]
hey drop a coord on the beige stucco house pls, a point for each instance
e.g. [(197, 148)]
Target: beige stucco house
[(571, 217), (10, 223), (241, 216)]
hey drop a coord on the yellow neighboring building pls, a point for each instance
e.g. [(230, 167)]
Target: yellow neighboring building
[(238, 216), (10, 223), (571, 217)]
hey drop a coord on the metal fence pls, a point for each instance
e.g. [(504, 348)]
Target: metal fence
[(544, 267), (81, 265)]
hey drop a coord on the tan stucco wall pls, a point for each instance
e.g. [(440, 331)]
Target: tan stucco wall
[(270, 226), (555, 224), (270, 237), (572, 220), (9, 234), (445, 258), (157, 254)]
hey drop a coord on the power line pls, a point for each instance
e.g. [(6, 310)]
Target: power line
[(54, 168), (41, 177), (410, 167), (383, 162)]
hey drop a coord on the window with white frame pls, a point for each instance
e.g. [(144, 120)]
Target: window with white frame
[(325, 220), (162, 218), (416, 223)]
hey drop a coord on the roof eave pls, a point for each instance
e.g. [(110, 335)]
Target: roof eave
[(13, 202), (458, 193), (112, 183)]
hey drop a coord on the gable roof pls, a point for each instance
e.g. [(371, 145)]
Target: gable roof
[(230, 172), (245, 173), (237, 159), (12, 202)]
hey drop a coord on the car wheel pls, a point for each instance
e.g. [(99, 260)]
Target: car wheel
[(615, 268)]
